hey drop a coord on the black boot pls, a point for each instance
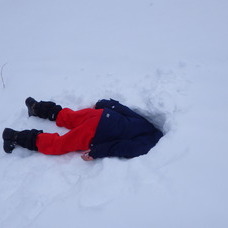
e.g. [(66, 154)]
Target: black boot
[(9, 136), (26, 139), (43, 109)]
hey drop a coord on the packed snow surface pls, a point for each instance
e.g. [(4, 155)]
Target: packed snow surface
[(166, 59)]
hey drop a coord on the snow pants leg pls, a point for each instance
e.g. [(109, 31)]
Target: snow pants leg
[(82, 125)]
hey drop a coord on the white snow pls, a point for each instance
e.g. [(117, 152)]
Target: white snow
[(166, 59)]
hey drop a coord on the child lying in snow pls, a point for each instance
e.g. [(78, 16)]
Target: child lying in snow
[(109, 130)]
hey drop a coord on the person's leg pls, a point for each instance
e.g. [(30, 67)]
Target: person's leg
[(64, 117), (79, 138), (71, 119)]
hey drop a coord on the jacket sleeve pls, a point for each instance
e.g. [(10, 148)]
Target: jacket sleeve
[(123, 148), (116, 106)]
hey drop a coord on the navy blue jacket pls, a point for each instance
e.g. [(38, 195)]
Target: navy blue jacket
[(122, 133)]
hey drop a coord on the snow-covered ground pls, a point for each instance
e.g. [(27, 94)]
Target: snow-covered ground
[(167, 59)]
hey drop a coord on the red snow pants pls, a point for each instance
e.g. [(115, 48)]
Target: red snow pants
[(82, 125)]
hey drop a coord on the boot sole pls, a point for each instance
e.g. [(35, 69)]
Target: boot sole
[(30, 103), (8, 146)]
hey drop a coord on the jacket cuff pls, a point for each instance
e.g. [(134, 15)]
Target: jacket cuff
[(96, 153)]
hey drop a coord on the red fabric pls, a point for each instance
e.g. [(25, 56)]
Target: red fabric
[(82, 125)]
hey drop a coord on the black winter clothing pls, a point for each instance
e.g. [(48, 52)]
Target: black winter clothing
[(122, 133)]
